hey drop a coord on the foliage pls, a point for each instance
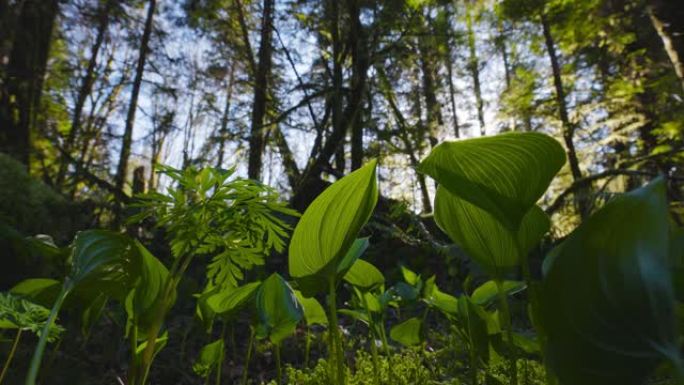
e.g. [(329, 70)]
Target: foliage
[(236, 222), (19, 313)]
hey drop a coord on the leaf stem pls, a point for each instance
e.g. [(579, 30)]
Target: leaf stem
[(506, 323), (336, 347), (8, 361), (249, 356), (34, 367)]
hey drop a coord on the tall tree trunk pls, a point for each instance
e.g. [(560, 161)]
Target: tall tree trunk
[(125, 153), (359, 57), (568, 127), (263, 72), (433, 110), (23, 83), (501, 46), (86, 87), (452, 93), (667, 17), (474, 68), (223, 131)]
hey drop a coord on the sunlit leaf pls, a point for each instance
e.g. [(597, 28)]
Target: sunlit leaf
[(409, 332), (503, 175), (314, 314), (364, 275), (329, 226), (209, 359), (228, 301), (488, 291)]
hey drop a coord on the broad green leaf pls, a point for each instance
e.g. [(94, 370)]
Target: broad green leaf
[(488, 291), (364, 276), (229, 301), (438, 299), (494, 247), (42, 291), (314, 314), (503, 175), (409, 332), (209, 359), (92, 312), (406, 292), (329, 226), (353, 254), (409, 276), (607, 300), (277, 309), (677, 260), (101, 253), (143, 301)]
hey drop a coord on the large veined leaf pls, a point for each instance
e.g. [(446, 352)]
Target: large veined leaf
[(677, 260), (607, 300), (228, 302), (142, 303), (488, 291), (503, 175), (493, 246), (101, 253), (209, 359), (329, 226), (314, 314), (409, 332), (277, 309), (364, 276)]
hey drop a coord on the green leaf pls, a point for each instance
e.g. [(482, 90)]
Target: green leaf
[(314, 314), (607, 301), (433, 296), (42, 291), (329, 226), (409, 276), (229, 301), (211, 356), (494, 247), (143, 301), (488, 291), (409, 332), (19, 313), (277, 309), (364, 276), (503, 175), (102, 254)]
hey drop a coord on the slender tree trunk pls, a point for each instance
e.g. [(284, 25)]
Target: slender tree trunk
[(334, 21), (85, 88), (667, 17), (501, 46), (23, 83), (125, 153), (474, 68), (263, 72), (359, 57), (568, 127), (223, 132), (452, 93)]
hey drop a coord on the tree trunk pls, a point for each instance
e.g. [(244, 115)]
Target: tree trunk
[(223, 132), (23, 83), (359, 57), (568, 127), (474, 67), (667, 17), (86, 87), (122, 168), (257, 137), (452, 93)]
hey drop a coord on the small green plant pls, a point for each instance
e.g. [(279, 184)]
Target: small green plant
[(233, 222), (324, 246)]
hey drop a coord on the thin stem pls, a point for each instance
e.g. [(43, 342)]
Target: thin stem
[(374, 349), (34, 367), (8, 361), (505, 321), (278, 363), (249, 356), (335, 338)]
